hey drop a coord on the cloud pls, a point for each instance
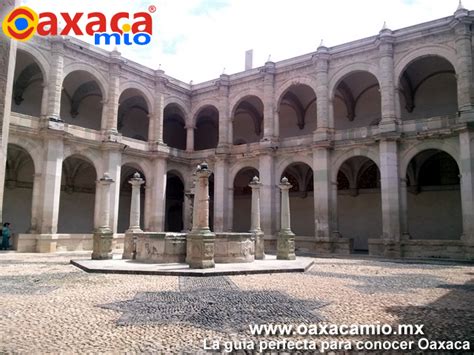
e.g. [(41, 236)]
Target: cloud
[(196, 39)]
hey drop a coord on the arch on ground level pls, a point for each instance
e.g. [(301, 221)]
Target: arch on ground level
[(89, 155), (174, 126), (33, 148), (174, 206), (287, 161), (300, 175), (433, 188), (127, 172), (297, 111), (407, 155), (247, 120), (77, 198), (356, 100), (133, 114), (28, 84), (18, 190), (428, 88), (82, 100), (359, 206), (366, 152), (239, 165), (243, 199), (206, 132)]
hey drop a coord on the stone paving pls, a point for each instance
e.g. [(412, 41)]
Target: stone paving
[(49, 306)]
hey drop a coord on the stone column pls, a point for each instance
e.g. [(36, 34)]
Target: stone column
[(129, 244), (188, 211), (255, 219), (322, 192), (158, 195), (112, 164), (111, 103), (466, 140), (268, 193), (221, 173), (55, 82), (269, 102), (388, 122), (156, 120), (224, 114), (102, 238), (200, 241), (404, 209), (464, 74), (322, 94), (190, 138), (7, 72), (35, 205), (286, 238), (390, 189)]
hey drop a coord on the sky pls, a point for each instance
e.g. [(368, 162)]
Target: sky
[(198, 40)]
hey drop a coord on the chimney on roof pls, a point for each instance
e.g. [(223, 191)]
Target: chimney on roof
[(249, 59)]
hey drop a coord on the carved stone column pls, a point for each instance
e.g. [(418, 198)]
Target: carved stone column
[(156, 119), (55, 82), (200, 241), (388, 121), (255, 219), (269, 102), (190, 138), (102, 239), (286, 238), (129, 243), (322, 94)]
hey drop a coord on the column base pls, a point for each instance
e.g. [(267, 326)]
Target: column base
[(46, 243), (259, 245), (102, 244), (129, 243), (200, 250), (286, 245)]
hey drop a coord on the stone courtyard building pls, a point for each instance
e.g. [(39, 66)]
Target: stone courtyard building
[(376, 136)]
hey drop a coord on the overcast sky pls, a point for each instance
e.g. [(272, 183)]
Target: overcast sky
[(197, 39)]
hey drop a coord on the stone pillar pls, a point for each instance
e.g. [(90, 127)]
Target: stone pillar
[(188, 211), (55, 82), (158, 195), (404, 209), (268, 193), (102, 238), (200, 241), (35, 205), (389, 181), (224, 114), (388, 121), (112, 164), (464, 74), (466, 140), (129, 243), (7, 72), (255, 219), (190, 138), (286, 238), (111, 103), (322, 94), (322, 192), (156, 120), (269, 102), (221, 173)]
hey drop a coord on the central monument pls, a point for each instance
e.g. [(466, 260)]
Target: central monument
[(201, 241)]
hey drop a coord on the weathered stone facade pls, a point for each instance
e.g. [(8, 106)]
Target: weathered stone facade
[(371, 134)]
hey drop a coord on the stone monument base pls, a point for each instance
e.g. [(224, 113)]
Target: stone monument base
[(102, 244), (286, 246), (234, 248), (200, 249)]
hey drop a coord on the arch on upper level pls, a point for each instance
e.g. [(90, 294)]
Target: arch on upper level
[(247, 120), (133, 114), (206, 132), (174, 126)]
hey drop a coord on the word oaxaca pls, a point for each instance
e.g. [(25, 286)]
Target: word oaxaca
[(122, 28)]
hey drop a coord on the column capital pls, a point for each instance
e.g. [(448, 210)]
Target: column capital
[(136, 180), (255, 183), (285, 184), (106, 179)]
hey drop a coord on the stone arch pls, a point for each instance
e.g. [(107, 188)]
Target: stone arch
[(88, 155), (183, 172), (238, 97), (442, 51), (182, 104), (140, 163), (345, 71), (407, 155), (142, 89), (175, 200), (309, 81), (367, 152), (206, 127), (98, 76), (133, 114), (174, 126), (242, 198), (248, 119), (286, 162), (202, 105), (38, 56), (239, 165), (33, 148)]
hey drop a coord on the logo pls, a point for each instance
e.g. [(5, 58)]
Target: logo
[(122, 28)]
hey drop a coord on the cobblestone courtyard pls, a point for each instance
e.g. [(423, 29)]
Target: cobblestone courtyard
[(48, 305)]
